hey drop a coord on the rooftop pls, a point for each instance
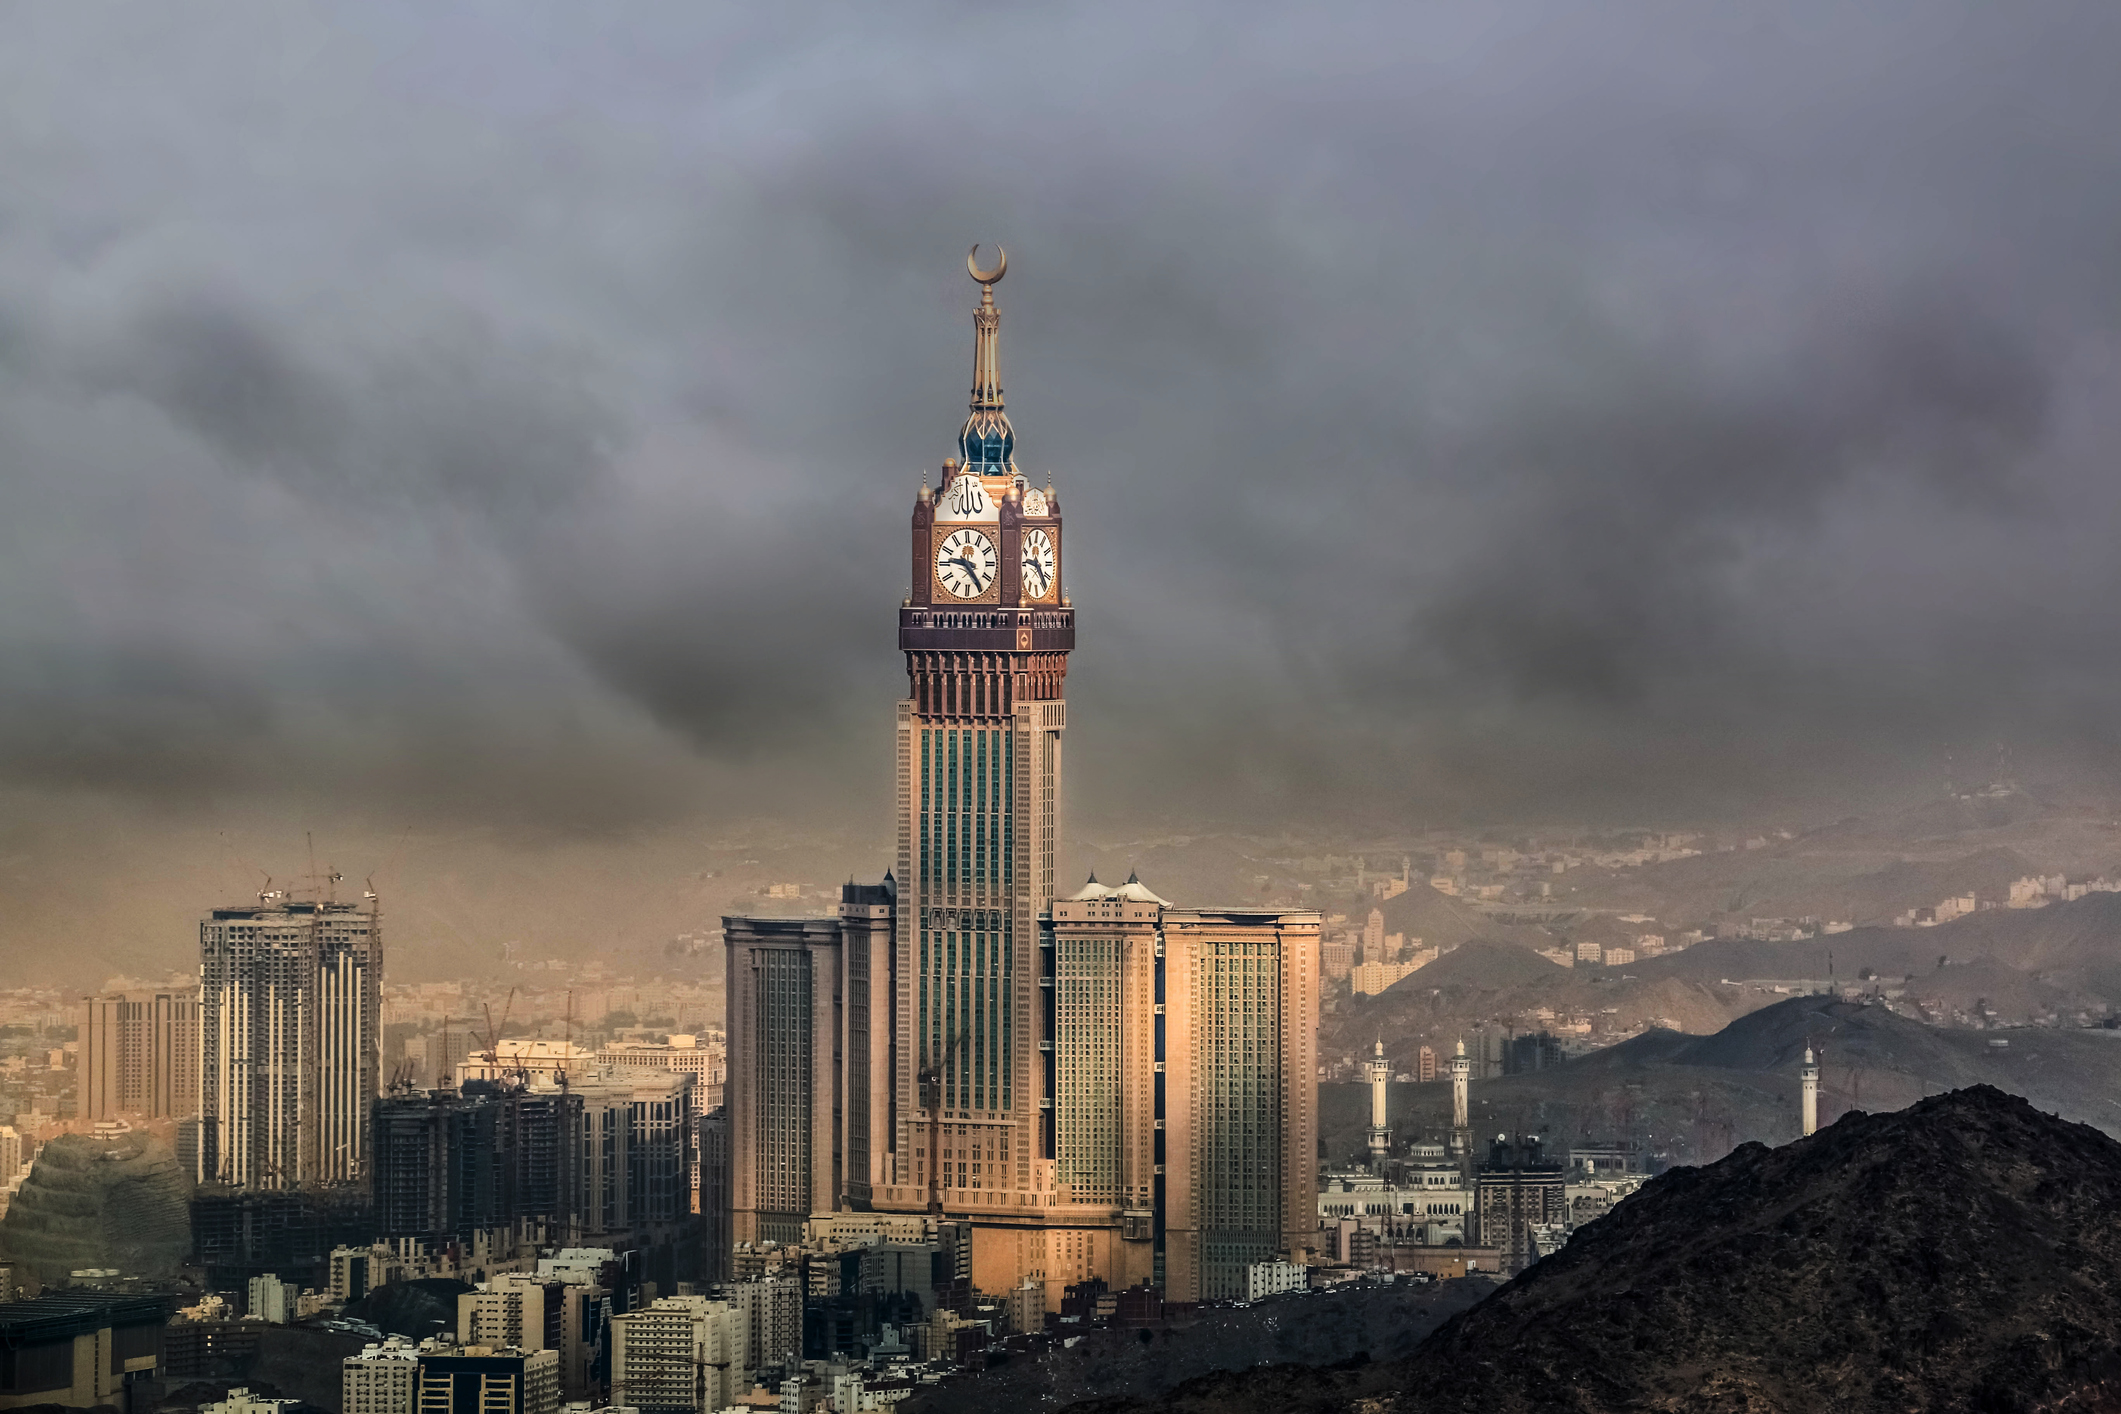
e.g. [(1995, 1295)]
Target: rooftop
[(63, 1315)]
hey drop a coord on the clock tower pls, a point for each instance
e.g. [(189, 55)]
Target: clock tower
[(966, 1130)]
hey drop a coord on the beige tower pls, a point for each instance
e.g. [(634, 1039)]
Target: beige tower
[(1809, 1076), (1185, 1094)]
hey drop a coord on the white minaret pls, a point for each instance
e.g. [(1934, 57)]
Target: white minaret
[(1378, 1071), (1810, 1073), (1461, 1072)]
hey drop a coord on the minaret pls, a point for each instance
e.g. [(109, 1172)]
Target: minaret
[(1378, 1071), (1461, 1073), (1810, 1074)]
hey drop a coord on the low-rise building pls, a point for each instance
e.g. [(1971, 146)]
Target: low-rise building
[(382, 1379), (489, 1380), (1269, 1278), (241, 1401), (680, 1355), (79, 1348)]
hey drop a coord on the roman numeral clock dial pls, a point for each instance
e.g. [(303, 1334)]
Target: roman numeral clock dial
[(965, 563), (1038, 563)]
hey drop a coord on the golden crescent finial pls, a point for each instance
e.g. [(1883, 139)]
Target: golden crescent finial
[(987, 277)]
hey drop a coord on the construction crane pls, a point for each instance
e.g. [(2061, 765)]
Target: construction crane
[(493, 1037), (931, 1083)]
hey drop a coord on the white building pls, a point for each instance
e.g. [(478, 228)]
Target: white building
[(544, 1062), (1267, 1278), (679, 1354), (241, 1401), (381, 1379), (272, 1300)]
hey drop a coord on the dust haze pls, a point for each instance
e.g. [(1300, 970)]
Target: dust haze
[(500, 424)]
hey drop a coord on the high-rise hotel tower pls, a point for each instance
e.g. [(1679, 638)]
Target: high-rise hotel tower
[(986, 632), (1102, 1086)]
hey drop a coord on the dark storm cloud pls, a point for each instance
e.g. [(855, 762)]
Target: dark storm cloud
[(1477, 407)]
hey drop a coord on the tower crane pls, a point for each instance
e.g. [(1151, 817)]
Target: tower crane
[(931, 1083)]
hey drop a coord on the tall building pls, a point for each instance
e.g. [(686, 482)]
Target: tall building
[(955, 1042), (986, 631), (1808, 1077), (713, 1188), (290, 1026), (704, 1058), (139, 1055), (492, 1172), (1185, 1094), (1520, 1187), (783, 1094)]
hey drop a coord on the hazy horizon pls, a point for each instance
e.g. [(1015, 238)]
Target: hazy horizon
[(500, 424)]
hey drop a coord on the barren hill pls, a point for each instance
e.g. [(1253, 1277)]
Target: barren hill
[(1959, 1254)]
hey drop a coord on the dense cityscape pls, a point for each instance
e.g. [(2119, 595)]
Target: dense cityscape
[(1491, 787), (967, 1118)]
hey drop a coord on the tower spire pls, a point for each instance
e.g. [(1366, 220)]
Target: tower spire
[(987, 442)]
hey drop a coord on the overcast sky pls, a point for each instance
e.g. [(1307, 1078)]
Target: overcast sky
[(510, 414)]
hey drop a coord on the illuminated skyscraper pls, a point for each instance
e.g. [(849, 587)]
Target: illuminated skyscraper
[(1185, 1064), (1102, 1086), (986, 631)]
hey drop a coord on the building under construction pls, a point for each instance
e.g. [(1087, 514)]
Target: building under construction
[(599, 1160), (290, 1041), (239, 1233)]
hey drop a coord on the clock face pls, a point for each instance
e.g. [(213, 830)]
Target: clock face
[(965, 563), (1039, 564)]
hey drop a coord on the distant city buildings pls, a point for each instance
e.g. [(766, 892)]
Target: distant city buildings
[(139, 1055)]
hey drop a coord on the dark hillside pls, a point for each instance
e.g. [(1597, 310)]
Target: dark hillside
[(1964, 1253), (1958, 1254)]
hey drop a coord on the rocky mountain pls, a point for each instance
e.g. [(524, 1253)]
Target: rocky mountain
[(1959, 1254), (118, 1202)]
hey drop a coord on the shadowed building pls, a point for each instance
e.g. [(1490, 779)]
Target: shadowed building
[(783, 1094), (78, 1349), (1520, 1187)]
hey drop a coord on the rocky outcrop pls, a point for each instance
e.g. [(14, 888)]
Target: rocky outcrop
[(1963, 1253), (110, 1203)]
